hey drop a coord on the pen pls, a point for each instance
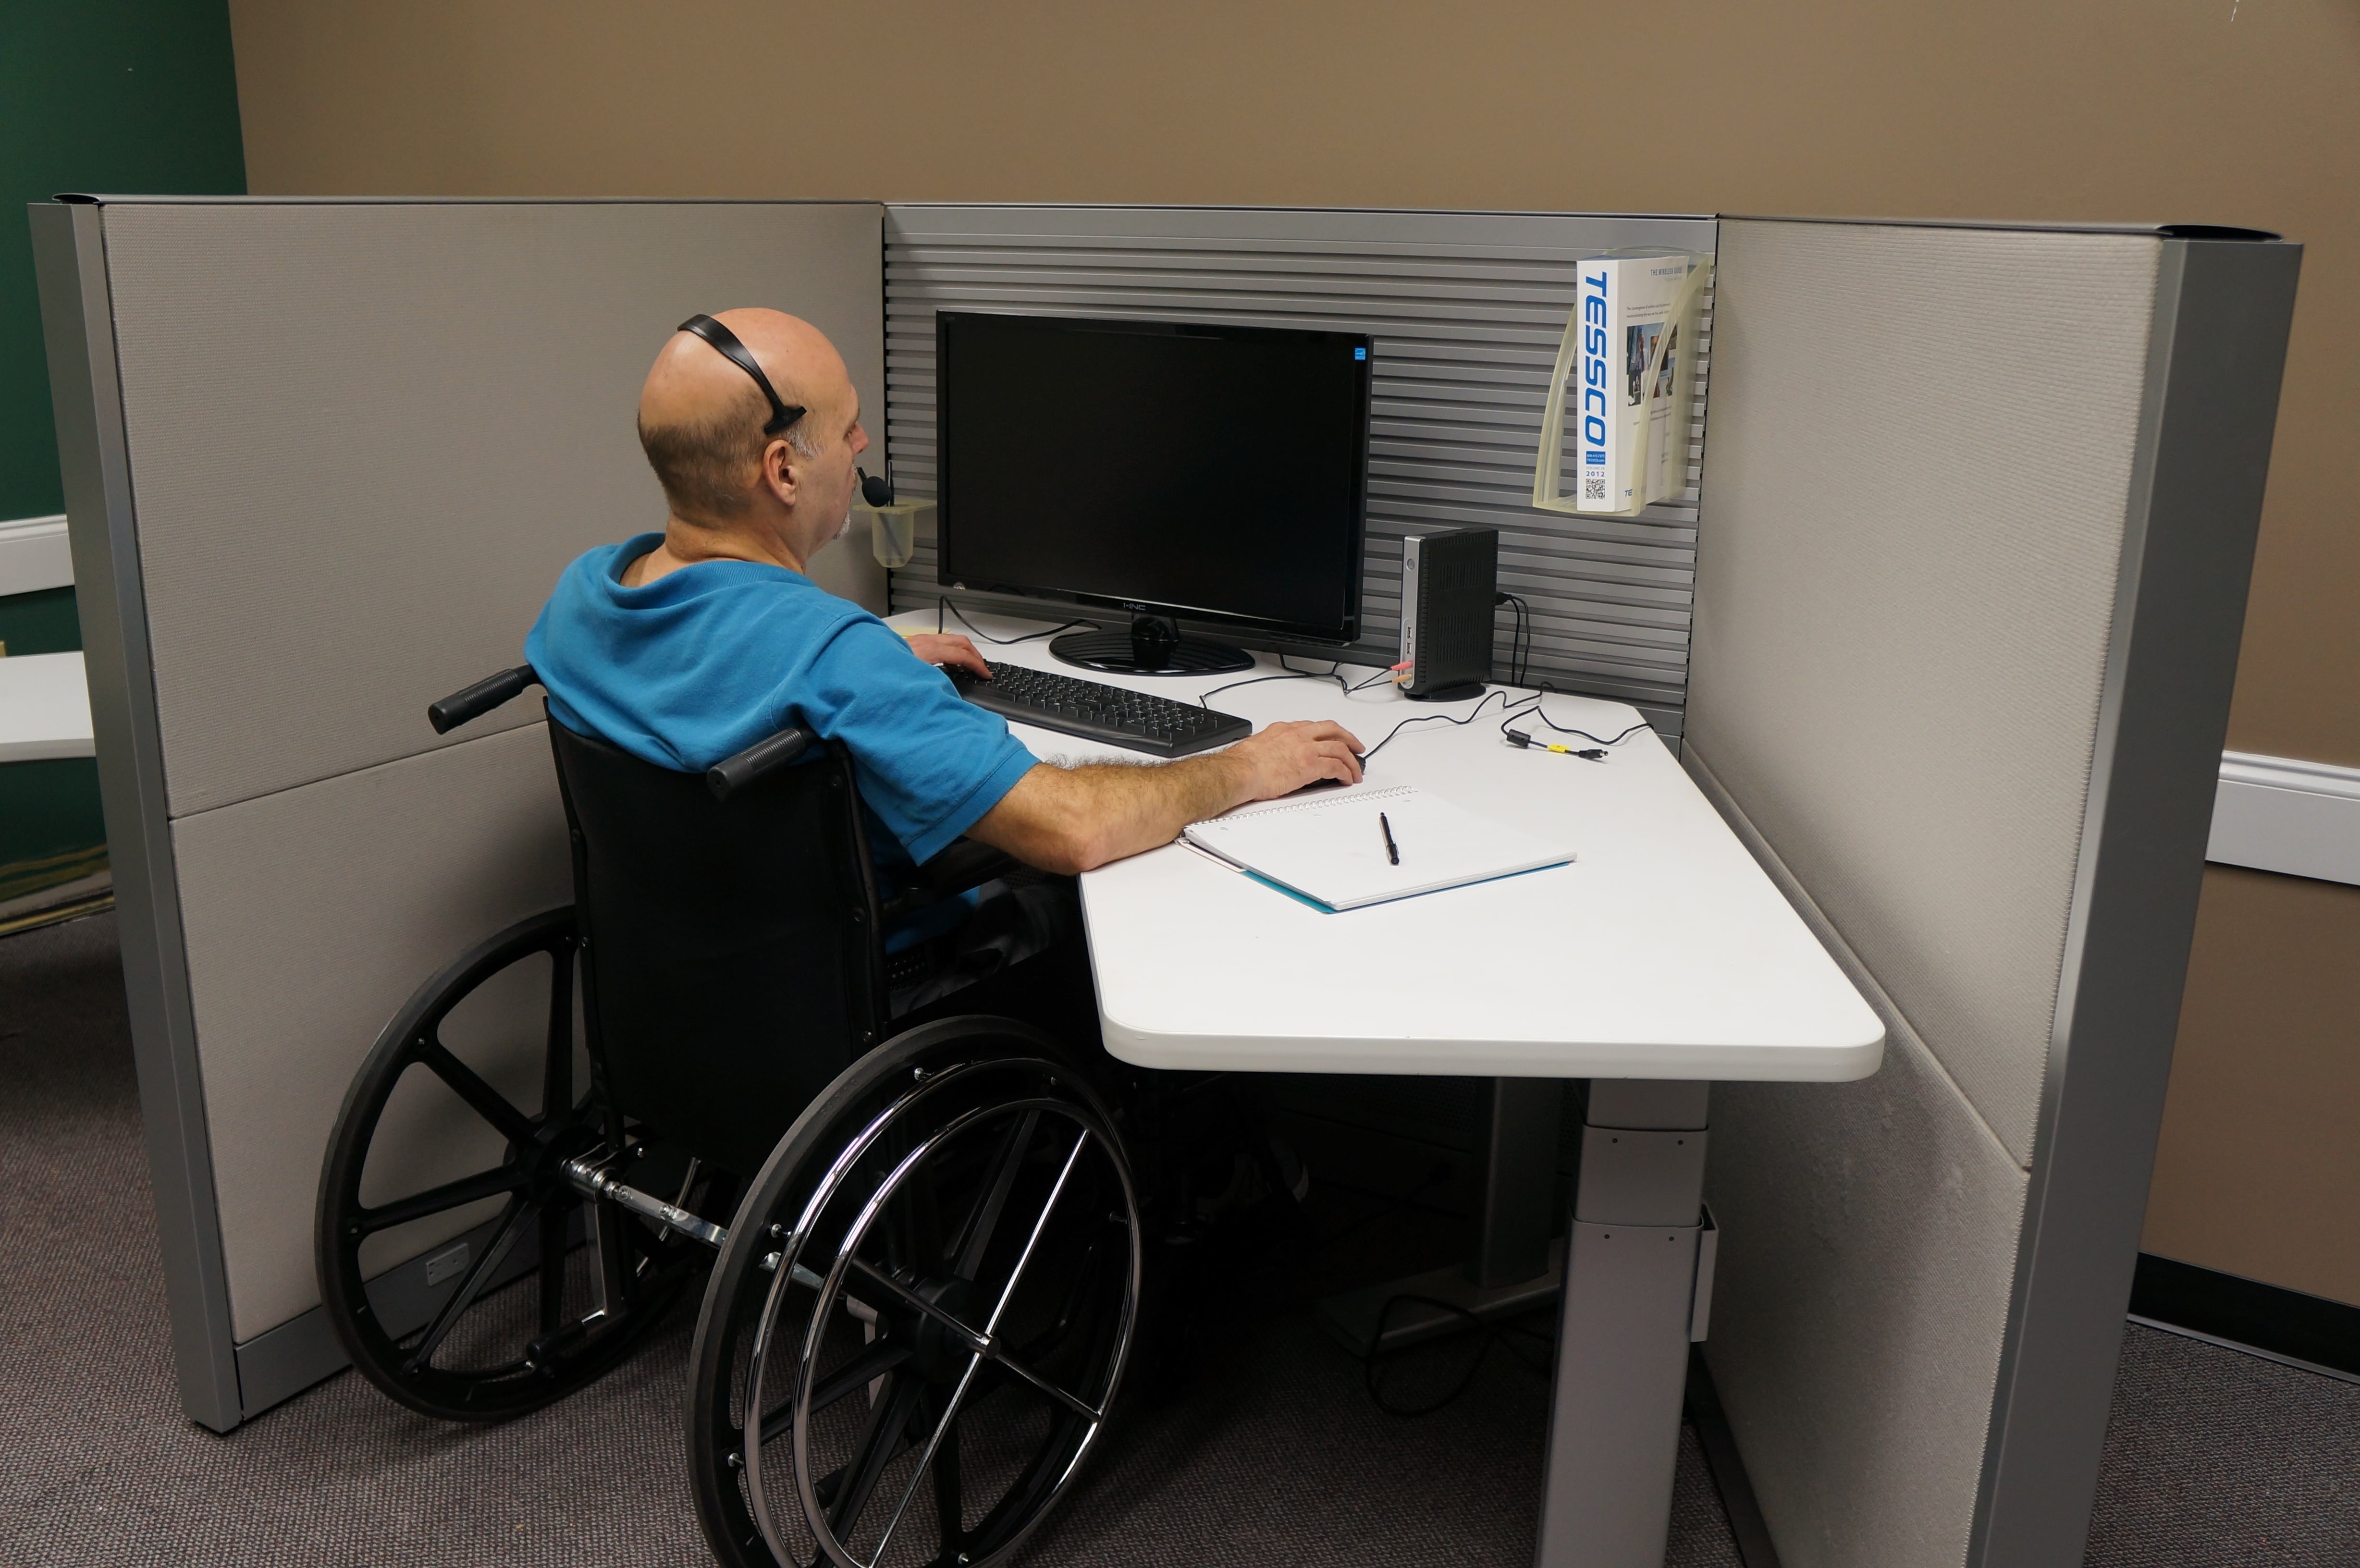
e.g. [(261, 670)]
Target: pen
[(1393, 852)]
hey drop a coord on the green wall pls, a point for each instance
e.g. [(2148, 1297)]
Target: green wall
[(119, 96), (97, 96)]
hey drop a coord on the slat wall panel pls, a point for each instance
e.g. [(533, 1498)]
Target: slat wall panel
[(1466, 312)]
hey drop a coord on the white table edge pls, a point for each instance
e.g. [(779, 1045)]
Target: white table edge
[(1841, 1063)]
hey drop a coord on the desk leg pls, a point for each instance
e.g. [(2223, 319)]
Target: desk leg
[(1623, 1335), (1511, 1268)]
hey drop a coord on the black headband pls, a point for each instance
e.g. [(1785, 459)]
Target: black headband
[(783, 413)]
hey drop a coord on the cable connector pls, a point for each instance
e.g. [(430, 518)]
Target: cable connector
[(1588, 754)]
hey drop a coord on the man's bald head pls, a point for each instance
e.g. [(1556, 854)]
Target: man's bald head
[(701, 416)]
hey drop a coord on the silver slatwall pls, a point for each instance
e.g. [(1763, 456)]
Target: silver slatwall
[(1467, 309)]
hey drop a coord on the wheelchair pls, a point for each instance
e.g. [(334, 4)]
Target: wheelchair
[(921, 1241)]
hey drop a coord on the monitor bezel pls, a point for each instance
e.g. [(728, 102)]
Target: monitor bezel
[(1348, 632)]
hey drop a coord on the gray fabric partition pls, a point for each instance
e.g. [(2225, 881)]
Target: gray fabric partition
[(351, 446), (1467, 309), (1975, 528), (324, 459)]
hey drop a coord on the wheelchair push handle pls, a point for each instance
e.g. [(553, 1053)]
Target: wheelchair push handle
[(731, 773), (460, 707)]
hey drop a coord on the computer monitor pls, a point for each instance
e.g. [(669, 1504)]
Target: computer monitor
[(1161, 468)]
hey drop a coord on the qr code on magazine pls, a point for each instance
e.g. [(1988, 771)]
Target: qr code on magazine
[(1593, 486)]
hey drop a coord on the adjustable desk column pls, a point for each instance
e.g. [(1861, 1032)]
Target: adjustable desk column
[(1663, 958)]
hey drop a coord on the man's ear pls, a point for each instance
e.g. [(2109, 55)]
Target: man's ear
[(781, 471)]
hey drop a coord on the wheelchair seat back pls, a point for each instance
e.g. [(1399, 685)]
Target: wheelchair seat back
[(730, 960)]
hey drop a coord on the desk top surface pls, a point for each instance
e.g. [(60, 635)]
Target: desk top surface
[(1663, 950), (44, 708)]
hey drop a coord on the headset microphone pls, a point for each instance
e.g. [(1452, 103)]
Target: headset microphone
[(876, 490)]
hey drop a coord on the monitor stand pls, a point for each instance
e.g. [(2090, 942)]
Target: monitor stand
[(1153, 646)]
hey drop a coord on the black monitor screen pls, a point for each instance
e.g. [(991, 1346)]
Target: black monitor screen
[(1211, 471)]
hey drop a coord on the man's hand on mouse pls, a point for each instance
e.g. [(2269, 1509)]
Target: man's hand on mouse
[(947, 648), (1287, 757)]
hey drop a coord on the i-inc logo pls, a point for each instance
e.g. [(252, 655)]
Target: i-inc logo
[(1593, 366)]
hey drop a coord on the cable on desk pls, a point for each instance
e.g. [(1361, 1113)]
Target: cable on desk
[(1333, 673), (1448, 719), (944, 603), (1535, 711)]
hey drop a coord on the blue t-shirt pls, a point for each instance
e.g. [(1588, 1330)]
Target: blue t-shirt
[(707, 660)]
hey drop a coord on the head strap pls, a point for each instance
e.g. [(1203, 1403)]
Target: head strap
[(783, 413)]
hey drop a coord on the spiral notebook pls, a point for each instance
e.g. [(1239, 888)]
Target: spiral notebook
[(1332, 852)]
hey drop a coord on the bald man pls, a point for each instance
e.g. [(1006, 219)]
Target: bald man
[(684, 647)]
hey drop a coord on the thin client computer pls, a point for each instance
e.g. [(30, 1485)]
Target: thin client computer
[(1202, 469)]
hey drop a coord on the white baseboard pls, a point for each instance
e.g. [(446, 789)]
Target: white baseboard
[(2274, 813), (34, 556)]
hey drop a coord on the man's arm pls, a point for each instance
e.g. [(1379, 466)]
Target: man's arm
[(1071, 820)]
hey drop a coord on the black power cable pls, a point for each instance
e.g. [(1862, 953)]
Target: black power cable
[(1476, 713), (944, 603), (1531, 708), (1493, 1335), (1520, 640)]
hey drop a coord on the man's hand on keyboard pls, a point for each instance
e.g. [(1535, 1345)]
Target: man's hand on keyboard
[(1287, 757), (948, 649)]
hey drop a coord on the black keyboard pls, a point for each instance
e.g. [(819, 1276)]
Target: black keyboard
[(1099, 712)]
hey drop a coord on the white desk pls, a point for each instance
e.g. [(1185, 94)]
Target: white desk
[(1662, 958), (44, 708)]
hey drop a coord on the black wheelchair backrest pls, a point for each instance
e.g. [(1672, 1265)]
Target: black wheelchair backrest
[(724, 777), (731, 965)]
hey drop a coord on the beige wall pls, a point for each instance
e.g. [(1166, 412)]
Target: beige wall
[(2241, 112), (2260, 1170)]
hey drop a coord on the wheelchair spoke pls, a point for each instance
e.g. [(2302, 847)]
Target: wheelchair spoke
[(463, 1298), (435, 1200), (950, 1506), (553, 1266), (881, 1444), (1017, 1504), (983, 1344), (1048, 1339), (871, 1363), (925, 1460), (976, 1235), (1007, 1291), (511, 1123), (1046, 1386), (908, 1297)]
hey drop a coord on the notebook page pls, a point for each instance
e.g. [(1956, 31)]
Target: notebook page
[(1333, 851)]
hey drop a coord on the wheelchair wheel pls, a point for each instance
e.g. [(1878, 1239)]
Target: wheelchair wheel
[(497, 1286), (913, 1338)]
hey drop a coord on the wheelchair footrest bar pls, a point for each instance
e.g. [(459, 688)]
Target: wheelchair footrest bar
[(589, 1178)]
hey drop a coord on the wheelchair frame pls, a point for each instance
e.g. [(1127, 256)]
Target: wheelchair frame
[(868, 1252)]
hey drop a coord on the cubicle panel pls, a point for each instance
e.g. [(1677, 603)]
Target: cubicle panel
[(367, 437), (1868, 1239), (326, 459), (1973, 546), (1467, 309), (1918, 507), (313, 913)]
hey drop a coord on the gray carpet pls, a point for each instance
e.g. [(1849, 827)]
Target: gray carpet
[(1278, 1457)]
